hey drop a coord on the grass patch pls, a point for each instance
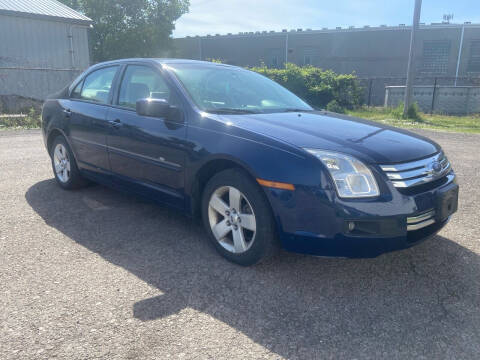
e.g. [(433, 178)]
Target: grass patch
[(32, 120), (467, 123)]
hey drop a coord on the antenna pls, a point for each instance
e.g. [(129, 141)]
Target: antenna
[(447, 18)]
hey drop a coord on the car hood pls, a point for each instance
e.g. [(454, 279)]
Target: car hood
[(370, 141)]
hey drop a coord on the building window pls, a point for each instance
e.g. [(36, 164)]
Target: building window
[(474, 61), (307, 60), (435, 56)]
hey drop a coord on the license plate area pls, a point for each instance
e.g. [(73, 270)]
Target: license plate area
[(447, 203)]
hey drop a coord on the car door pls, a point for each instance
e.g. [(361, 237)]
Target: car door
[(87, 111), (147, 152)]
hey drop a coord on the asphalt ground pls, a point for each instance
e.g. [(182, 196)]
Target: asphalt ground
[(102, 275)]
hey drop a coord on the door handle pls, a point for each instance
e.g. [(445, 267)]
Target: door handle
[(67, 113), (115, 123)]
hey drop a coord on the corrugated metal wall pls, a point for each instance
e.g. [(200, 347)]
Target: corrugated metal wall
[(36, 55)]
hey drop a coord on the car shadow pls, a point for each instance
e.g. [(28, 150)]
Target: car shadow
[(422, 301)]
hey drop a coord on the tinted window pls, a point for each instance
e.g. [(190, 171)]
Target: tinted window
[(97, 85), (140, 82)]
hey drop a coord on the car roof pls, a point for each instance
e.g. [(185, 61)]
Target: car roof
[(163, 61)]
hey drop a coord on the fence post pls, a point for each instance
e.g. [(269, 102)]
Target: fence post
[(370, 84), (433, 96)]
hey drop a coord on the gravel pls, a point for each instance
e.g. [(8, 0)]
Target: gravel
[(99, 274)]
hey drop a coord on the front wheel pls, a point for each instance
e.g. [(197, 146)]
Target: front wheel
[(238, 218)]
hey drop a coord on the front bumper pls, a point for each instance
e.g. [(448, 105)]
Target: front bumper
[(315, 221)]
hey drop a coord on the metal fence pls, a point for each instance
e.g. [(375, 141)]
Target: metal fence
[(443, 94)]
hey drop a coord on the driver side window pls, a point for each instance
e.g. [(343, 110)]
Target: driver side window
[(140, 82)]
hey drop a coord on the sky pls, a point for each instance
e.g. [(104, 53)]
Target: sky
[(233, 16)]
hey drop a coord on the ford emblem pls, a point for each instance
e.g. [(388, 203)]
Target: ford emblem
[(436, 167)]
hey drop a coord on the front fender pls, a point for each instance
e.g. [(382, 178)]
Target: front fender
[(262, 157)]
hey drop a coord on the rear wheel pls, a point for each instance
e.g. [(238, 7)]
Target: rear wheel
[(64, 166), (238, 219)]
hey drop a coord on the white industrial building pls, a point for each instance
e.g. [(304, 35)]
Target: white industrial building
[(43, 46)]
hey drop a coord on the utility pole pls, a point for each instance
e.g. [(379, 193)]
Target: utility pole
[(410, 68)]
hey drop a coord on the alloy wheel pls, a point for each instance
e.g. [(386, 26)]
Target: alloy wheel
[(61, 163), (232, 219)]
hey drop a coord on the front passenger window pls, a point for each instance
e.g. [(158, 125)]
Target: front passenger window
[(141, 82)]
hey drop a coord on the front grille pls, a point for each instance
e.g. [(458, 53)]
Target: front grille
[(414, 173), (420, 221)]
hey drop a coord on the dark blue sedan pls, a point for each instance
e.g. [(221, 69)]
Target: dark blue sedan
[(259, 165)]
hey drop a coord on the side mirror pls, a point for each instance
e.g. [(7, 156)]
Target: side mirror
[(153, 107)]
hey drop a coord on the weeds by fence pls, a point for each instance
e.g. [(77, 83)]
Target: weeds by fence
[(31, 120)]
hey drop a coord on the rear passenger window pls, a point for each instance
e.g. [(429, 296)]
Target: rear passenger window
[(141, 82), (97, 85)]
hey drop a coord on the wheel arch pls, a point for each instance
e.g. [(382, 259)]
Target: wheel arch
[(52, 135), (209, 169)]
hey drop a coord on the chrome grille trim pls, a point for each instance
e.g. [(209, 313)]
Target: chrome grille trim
[(417, 172), (420, 221)]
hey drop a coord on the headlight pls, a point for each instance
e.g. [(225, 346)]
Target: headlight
[(352, 178)]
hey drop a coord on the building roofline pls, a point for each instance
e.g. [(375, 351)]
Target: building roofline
[(433, 26), (83, 22)]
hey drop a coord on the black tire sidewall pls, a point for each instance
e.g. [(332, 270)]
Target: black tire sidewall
[(265, 243)]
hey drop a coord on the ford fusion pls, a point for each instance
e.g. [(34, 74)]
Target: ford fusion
[(258, 165)]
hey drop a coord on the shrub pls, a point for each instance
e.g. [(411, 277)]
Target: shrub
[(217, 61), (397, 112), (27, 121), (413, 112), (333, 106), (318, 87)]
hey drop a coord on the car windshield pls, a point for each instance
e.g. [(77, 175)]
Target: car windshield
[(222, 89)]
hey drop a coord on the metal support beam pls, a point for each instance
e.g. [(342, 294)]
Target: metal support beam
[(434, 92), (460, 49), (411, 67), (286, 49)]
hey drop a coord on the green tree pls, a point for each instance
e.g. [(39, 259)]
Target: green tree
[(130, 28)]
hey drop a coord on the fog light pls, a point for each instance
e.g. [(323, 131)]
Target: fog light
[(351, 226)]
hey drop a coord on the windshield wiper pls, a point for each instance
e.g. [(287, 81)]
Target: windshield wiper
[(230, 111)]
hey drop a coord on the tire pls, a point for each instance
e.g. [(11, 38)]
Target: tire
[(233, 237), (62, 158)]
